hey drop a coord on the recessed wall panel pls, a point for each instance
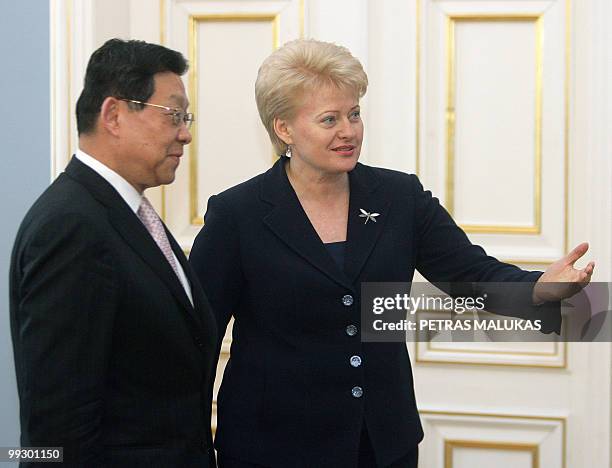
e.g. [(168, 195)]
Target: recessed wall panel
[(494, 150), (499, 455), (467, 439), (231, 144)]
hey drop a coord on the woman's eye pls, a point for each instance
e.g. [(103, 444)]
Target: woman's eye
[(329, 120), (356, 115)]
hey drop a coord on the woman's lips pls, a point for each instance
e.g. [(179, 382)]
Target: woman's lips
[(344, 150)]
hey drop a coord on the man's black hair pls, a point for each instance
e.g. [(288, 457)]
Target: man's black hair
[(123, 69)]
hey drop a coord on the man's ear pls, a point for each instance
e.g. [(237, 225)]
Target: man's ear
[(109, 115), (282, 130)]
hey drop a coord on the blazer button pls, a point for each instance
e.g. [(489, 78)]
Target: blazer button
[(347, 300), (357, 392), (355, 361), (351, 330)]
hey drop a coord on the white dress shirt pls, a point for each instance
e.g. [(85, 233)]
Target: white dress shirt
[(131, 197)]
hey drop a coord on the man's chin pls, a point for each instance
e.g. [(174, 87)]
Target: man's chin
[(166, 179)]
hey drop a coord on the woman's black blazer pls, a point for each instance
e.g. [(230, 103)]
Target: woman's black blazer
[(287, 396)]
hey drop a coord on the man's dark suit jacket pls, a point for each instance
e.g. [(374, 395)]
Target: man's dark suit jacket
[(286, 398), (113, 362)]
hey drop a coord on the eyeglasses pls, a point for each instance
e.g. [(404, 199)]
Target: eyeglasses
[(178, 116)]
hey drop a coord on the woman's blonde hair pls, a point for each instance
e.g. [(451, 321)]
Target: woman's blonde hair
[(299, 66)]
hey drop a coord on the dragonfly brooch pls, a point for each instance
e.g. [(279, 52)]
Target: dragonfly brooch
[(368, 216)]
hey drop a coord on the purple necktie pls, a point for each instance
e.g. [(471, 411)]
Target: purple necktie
[(149, 218)]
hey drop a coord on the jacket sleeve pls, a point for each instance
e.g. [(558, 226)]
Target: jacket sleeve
[(446, 255), (62, 322), (215, 258)]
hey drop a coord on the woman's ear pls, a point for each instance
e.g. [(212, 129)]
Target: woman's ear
[(283, 130)]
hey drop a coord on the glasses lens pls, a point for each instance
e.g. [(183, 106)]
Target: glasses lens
[(188, 119), (177, 118)]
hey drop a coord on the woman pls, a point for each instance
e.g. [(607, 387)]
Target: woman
[(285, 253)]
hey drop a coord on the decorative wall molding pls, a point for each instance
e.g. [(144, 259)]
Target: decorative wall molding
[(542, 439), (72, 42)]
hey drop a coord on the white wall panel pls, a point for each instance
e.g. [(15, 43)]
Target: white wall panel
[(500, 455), (493, 122), (225, 42), (228, 128), (455, 439), (344, 22), (496, 144), (487, 349), (391, 124)]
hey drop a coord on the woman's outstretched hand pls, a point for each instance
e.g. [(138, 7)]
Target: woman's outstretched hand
[(561, 280)]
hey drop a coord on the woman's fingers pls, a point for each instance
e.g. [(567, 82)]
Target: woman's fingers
[(576, 253)]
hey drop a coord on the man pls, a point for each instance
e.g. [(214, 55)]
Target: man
[(112, 334)]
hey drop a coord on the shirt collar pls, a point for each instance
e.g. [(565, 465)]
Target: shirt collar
[(127, 191)]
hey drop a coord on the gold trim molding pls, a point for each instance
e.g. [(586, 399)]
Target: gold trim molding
[(560, 349), (421, 360), (195, 219), (493, 352), (568, 53), (568, 57), (162, 41), (417, 79), (562, 421), (302, 7), (194, 21), (451, 21), (450, 445)]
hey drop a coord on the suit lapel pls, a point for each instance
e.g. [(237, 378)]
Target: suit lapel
[(196, 292), (137, 236), (131, 229), (367, 194), (289, 222)]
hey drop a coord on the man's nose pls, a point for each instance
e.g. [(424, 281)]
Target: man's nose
[(184, 135)]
